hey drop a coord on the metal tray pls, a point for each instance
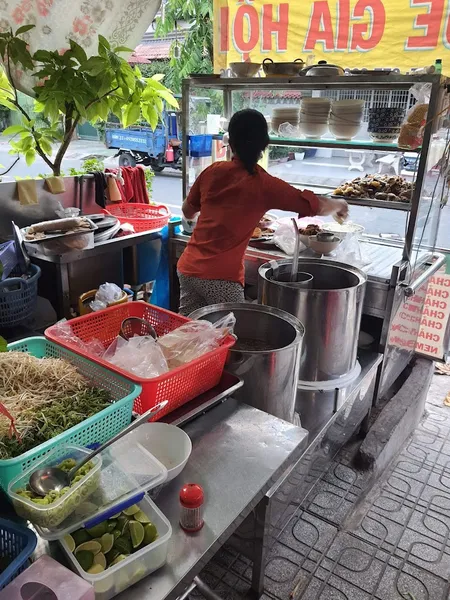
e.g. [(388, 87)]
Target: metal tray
[(56, 236), (197, 407)]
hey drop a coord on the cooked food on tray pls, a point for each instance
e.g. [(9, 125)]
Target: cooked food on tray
[(311, 229), (392, 188), (259, 233)]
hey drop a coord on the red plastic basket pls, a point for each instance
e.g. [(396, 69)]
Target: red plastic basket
[(179, 385), (143, 217)]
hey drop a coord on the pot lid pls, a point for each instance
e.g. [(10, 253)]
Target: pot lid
[(322, 63), (128, 471)]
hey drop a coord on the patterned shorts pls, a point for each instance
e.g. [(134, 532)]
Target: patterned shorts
[(196, 293)]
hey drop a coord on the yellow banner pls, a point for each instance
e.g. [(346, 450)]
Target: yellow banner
[(351, 33)]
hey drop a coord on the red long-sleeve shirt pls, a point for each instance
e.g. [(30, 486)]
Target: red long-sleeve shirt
[(231, 203)]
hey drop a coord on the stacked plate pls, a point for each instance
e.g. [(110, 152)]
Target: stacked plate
[(314, 116), (345, 118), (288, 114)]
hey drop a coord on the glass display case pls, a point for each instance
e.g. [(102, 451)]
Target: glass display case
[(401, 230)]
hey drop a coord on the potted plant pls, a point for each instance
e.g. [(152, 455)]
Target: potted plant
[(72, 88)]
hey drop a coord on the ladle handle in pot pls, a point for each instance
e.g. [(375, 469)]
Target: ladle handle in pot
[(142, 419), (296, 251)]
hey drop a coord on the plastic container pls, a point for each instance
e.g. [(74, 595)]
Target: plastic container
[(143, 217), (97, 429), (134, 568), (179, 385), (52, 515), (200, 145), (18, 297), (16, 543), (46, 577)]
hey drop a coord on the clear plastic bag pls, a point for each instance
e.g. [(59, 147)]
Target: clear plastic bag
[(140, 355), (411, 133), (64, 332), (290, 131), (351, 251), (188, 342), (105, 295)]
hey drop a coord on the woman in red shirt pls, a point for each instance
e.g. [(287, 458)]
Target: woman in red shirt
[(231, 198)]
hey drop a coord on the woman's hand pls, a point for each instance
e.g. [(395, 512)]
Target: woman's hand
[(333, 206)]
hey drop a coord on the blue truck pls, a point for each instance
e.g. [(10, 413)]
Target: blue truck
[(141, 145)]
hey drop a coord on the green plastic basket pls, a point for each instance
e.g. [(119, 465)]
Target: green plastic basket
[(97, 429)]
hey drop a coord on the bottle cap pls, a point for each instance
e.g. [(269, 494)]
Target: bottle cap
[(191, 495)]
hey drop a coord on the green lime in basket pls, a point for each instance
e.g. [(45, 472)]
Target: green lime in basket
[(85, 559)]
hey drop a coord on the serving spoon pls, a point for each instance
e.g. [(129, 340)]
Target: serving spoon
[(51, 479)]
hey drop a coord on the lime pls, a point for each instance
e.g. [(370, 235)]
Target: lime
[(117, 534), (91, 546), (141, 517), (116, 516), (137, 533), (119, 559), (96, 569), (123, 545), (111, 556), (111, 525), (107, 542), (80, 536), (150, 533), (98, 530), (85, 559), (131, 510), (70, 542), (122, 524), (100, 559)]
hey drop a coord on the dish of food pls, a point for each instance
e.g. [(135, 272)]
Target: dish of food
[(50, 511), (112, 541), (46, 229), (45, 396), (262, 234), (390, 188), (312, 229)]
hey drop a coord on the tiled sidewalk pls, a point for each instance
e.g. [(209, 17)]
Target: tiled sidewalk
[(355, 539)]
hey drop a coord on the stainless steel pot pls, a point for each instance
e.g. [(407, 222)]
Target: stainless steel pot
[(323, 69), (330, 311), (282, 69), (266, 355)]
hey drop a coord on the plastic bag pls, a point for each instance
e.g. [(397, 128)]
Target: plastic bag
[(411, 132), (284, 236), (64, 332), (188, 342), (140, 355), (351, 251), (290, 131), (105, 295)]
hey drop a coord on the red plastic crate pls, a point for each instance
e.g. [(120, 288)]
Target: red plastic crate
[(143, 217), (179, 385)]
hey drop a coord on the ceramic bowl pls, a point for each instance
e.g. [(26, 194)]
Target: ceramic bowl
[(313, 130), (245, 69), (385, 117), (344, 132), (323, 247)]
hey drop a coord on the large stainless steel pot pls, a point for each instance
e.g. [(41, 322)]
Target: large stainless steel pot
[(330, 311), (266, 355)]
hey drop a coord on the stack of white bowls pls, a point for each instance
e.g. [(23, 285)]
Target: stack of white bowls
[(314, 116), (288, 114), (345, 118)]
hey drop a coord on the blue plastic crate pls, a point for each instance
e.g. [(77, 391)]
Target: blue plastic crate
[(17, 543), (200, 145)]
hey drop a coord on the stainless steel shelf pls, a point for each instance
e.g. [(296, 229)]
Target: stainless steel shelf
[(356, 145), (405, 206), (401, 82)]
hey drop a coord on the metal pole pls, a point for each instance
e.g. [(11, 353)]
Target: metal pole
[(185, 131)]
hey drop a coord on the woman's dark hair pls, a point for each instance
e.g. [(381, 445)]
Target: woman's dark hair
[(249, 136)]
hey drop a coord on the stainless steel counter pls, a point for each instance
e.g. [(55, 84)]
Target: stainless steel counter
[(238, 454)]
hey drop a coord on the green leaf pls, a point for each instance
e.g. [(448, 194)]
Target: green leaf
[(24, 29), (123, 49), (131, 114), (78, 52), (46, 147), (158, 76), (3, 342), (150, 114), (30, 157), (102, 41), (14, 129)]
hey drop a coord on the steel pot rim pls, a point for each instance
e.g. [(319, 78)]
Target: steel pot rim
[(276, 312), (354, 270)]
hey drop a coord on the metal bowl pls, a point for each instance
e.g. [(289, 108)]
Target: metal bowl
[(245, 69), (282, 69)]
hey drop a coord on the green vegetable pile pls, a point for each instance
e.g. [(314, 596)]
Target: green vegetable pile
[(108, 543), (52, 419), (45, 397), (54, 495)]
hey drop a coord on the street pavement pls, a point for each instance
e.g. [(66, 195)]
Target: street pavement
[(167, 187)]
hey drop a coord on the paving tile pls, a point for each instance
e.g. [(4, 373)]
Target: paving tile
[(331, 502), (307, 532)]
